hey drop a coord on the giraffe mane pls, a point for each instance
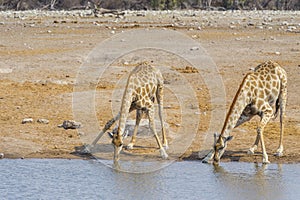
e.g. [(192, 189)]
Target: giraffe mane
[(234, 101)]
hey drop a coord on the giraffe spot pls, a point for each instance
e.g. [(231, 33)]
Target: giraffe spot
[(274, 84), (138, 90), (260, 103), (147, 89), (136, 81), (268, 86), (261, 95), (143, 93), (143, 102), (254, 83), (144, 79), (274, 77), (275, 92), (153, 90), (147, 104), (255, 91), (273, 71), (248, 84)]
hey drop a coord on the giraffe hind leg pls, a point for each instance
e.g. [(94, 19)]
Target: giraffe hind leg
[(282, 101), (162, 151), (159, 95)]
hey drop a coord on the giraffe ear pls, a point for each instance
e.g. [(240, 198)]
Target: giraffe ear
[(229, 138), (125, 134), (216, 136), (110, 134)]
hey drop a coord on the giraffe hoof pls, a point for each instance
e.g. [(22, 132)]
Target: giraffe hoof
[(266, 162), (163, 153), (250, 152), (206, 161), (166, 147), (129, 146)]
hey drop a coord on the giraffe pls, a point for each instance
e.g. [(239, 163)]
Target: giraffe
[(144, 85), (262, 92)]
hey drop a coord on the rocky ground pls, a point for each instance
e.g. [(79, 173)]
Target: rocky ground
[(42, 52)]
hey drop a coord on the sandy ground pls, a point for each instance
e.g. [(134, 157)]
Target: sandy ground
[(41, 56)]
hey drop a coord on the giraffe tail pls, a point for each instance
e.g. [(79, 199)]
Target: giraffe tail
[(281, 100), (277, 106)]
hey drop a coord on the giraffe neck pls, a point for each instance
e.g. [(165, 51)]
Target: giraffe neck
[(241, 100), (125, 106)]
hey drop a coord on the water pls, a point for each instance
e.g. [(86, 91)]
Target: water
[(82, 179)]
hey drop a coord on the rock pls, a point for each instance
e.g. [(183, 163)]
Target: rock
[(27, 120), (291, 28), (81, 133), (194, 48), (70, 124), (43, 121)]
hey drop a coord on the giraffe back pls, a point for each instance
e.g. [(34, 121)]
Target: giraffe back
[(143, 82), (266, 83)]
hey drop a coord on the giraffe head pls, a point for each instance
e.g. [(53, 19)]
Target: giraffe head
[(220, 144), (117, 141)]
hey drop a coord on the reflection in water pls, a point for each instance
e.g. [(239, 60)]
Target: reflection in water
[(257, 182), (79, 179), (137, 186)]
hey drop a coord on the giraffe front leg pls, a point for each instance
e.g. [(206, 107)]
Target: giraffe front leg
[(137, 122), (264, 152), (267, 113), (253, 148)]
